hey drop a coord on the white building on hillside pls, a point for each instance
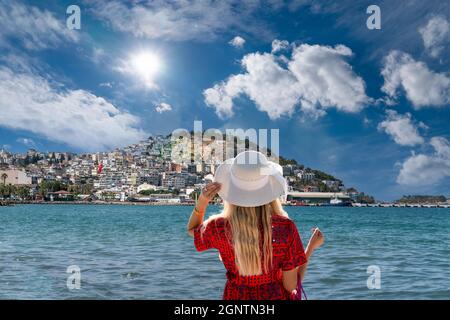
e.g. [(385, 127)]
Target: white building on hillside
[(145, 186), (14, 177)]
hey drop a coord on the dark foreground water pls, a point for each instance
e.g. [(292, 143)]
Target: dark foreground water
[(143, 252)]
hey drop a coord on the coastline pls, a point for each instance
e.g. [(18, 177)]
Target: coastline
[(130, 203), (126, 203)]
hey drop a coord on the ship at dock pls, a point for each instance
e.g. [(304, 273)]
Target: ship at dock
[(326, 199), (336, 202)]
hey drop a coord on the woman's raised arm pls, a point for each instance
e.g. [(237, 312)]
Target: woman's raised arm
[(198, 213), (315, 242)]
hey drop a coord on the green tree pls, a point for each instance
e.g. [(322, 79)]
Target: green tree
[(150, 192), (284, 161), (50, 186), (6, 191), (23, 192), (4, 177), (194, 195)]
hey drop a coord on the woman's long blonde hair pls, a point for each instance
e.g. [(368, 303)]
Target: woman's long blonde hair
[(245, 222)]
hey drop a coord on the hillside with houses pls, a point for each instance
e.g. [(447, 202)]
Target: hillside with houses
[(141, 172)]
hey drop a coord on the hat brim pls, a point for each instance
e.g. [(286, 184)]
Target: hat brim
[(273, 189)]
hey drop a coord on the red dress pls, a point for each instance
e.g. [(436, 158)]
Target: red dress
[(287, 254)]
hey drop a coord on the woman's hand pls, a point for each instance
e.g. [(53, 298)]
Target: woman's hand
[(208, 193), (197, 215), (317, 238)]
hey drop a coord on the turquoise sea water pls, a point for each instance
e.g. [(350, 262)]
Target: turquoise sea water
[(143, 252)]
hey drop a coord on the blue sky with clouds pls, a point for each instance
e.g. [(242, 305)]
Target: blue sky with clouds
[(369, 106)]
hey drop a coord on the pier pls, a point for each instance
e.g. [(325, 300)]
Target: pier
[(401, 205)]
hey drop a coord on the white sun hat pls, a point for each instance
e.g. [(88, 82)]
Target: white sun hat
[(250, 180)]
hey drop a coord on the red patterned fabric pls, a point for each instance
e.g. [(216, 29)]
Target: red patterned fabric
[(287, 249)]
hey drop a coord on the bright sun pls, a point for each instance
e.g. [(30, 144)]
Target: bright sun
[(146, 65)]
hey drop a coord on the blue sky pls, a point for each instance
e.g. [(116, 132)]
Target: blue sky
[(369, 106)]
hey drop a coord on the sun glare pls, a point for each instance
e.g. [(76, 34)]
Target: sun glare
[(146, 65)]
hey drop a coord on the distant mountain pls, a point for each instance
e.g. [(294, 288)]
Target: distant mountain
[(422, 199)]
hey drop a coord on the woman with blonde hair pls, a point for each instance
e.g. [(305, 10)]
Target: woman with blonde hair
[(259, 245)]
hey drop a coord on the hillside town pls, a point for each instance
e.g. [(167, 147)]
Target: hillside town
[(141, 173)]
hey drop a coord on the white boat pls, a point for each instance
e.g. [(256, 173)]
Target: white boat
[(335, 201)]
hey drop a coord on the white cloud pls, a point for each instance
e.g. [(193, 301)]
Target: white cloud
[(402, 129), (426, 170), (35, 28), (163, 107), (27, 141), (97, 55), (316, 78), (423, 87), (106, 84), (435, 35), (186, 20), (74, 117), (279, 45), (237, 42), (442, 146)]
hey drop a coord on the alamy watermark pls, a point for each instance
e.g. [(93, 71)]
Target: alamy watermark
[(73, 21), (374, 280), (74, 279), (213, 147), (374, 20)]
